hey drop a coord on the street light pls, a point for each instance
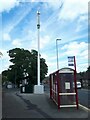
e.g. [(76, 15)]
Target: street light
[(57, 52)]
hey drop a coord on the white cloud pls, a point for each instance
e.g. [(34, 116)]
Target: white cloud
[(55, 1), (80, 50), (52, 65), (33, 45), (7, 5), (82, 23), (67, 40), (79, 28), (44, 41), (75, 48), (19, 16), (44, 56), (84, 54), (16, 43), (4, 63), (73, 8), (34, 41), (6, 37), (5, 54), (54, 4)]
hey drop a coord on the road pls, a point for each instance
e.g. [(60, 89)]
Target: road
[(84, 97)]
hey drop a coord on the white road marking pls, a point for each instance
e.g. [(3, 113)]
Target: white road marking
[(85, 108)]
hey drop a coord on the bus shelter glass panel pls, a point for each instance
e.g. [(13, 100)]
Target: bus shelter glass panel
[(67, 89), (54, 89)]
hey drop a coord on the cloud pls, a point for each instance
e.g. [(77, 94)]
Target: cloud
[(7, 5), (6, 37), (75, 48), (55, 1), (19, 16), (44, 41), (73, 8), (16, 43), (56, 7), (4, 63), (52, 65), (54, 4), (74, 38), (82, 23), (80, 50), (33, 45), (4, 52)]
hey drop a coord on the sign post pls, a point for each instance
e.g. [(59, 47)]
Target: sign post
[(72, 62)]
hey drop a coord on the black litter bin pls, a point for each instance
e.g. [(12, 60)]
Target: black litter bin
[(28, 88)]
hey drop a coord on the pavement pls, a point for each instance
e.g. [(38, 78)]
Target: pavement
[(46, 108), (25, 105)]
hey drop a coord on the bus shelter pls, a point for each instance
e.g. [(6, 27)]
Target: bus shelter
[(63, 89)]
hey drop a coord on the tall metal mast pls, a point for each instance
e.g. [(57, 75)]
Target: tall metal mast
[(38, 89), (38, 28)]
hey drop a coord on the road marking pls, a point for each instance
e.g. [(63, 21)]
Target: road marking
[(85, 108)]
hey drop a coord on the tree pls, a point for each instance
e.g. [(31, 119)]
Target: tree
[(4, 76), (85, 76), (25, 66), (88, 69)]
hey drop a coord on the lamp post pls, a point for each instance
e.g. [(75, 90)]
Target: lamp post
[(57, 52)]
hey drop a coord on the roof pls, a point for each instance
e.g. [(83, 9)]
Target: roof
[(66, 70)]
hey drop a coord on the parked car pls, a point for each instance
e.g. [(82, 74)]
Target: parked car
[(9, 85), (78, 85)]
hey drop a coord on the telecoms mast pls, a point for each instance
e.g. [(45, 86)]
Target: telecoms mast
[(38, 28), (38, 89)]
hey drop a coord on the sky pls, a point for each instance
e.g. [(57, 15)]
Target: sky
[(59, 19)]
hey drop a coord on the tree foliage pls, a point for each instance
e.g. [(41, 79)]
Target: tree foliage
[(85, 75), (25, 66)]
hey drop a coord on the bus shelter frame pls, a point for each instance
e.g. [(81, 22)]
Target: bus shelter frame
[(55, 93)]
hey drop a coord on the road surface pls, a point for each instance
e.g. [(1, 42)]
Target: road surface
[(84, 97)]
